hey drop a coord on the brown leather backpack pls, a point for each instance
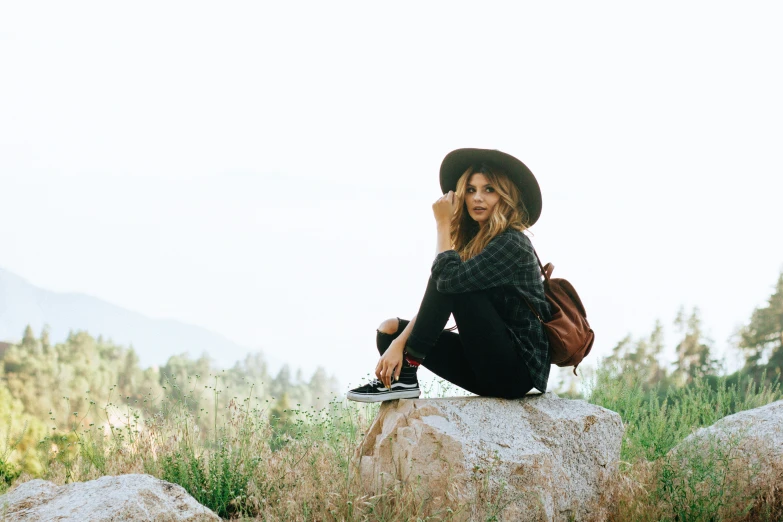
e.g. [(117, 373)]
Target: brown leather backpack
[(569, 333)]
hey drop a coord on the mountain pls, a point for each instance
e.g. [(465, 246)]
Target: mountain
[(154, 340)]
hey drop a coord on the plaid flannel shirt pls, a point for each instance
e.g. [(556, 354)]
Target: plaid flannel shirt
[(508, 270)]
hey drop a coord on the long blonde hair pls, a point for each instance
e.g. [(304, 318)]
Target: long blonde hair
[(467, 237)]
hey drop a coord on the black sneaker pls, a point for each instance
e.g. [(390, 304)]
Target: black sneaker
[(375, 391)]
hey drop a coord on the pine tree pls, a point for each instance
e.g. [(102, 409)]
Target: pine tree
[(281, 384), (762, 338), (620, 351), (322, 387), (642, 357), (694, 358), (656, 372), (46, 344), (29, 343)]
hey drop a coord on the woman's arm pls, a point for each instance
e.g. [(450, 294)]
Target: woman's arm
[(444, 210), (502, 260), (403, 337), (444, 238)]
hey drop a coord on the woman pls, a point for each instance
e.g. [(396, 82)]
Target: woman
[(484, 269)]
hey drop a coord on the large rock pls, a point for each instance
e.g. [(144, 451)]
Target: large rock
[(756, 433), (536, 458), (739, 460), (121, 498)]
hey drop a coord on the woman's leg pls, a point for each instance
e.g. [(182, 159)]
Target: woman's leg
[(489, 348), (446, 359), (405, 387), (383, 340), (431, 319), (482, 358)]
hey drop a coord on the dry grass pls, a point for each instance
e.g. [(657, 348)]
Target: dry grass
[(297, 466), (706, 482), (666, 476)]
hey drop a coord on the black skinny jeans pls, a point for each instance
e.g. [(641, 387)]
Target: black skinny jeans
[(481, 358)]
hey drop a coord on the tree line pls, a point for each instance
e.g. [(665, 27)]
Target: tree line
[(50, 388), (759, 341)]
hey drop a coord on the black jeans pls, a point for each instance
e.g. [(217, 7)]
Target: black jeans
[(481, 358)]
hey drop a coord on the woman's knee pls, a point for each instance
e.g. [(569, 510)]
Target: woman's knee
[(514, 387), (389, 326), (516, 393)]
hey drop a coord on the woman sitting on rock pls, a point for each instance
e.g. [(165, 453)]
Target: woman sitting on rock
[(484, 269)]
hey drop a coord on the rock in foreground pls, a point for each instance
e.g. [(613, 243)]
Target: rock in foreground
[(124, 497), (756, 433), (738, 460), (539, 458)]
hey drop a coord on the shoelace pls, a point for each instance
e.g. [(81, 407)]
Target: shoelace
[(376, 382)]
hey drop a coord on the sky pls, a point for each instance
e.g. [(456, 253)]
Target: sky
[(267, 170)]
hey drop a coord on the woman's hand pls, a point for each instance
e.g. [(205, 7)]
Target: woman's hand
[(390, 364), (444, 208)]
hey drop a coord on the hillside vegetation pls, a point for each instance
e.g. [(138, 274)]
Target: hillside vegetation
[(247, 445)]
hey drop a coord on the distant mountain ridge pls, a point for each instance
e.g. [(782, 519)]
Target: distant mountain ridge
[(154, 340)]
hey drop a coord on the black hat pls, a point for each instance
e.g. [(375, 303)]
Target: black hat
[(457, 162)]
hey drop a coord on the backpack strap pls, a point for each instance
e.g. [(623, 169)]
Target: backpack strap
[(539, 261), (546, 271)]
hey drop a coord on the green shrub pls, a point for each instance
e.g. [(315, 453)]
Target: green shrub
[(657, 419), (698, 481)]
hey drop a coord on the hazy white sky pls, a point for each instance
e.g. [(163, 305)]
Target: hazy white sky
[(267, 170)]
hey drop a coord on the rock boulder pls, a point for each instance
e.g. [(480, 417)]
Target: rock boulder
[(757, 433), (739, 459), (536, 458), (124, 497)]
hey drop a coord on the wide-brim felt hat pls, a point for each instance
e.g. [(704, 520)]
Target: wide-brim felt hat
[(457, 162)]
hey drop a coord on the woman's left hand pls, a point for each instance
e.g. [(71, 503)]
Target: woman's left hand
[(390, 364), (444, 208)]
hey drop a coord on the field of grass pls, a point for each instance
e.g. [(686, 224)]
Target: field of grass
[(257, 464), (706, 481)]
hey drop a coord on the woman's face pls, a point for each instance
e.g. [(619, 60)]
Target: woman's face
[(480, 198)]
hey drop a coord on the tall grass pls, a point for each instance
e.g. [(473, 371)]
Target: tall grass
[(704, 480), (260, 463), (253, 461)]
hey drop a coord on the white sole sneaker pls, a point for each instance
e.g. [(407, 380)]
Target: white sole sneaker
[(376, 392)]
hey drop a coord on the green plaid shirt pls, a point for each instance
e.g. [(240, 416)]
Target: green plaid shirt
[(507, 268)]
